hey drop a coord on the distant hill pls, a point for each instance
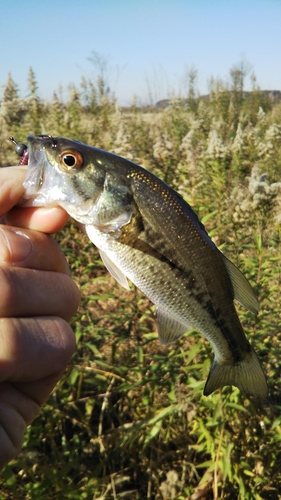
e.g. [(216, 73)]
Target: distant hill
[(273, 95)]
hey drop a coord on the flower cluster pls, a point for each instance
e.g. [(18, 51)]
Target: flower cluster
[(259, 193), (122, 145), (239, 140), (216, 148), (162, 148)]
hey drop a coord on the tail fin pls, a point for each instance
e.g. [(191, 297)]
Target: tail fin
[(247, 375)]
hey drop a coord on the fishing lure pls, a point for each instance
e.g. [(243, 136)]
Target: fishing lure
[(21, 150)]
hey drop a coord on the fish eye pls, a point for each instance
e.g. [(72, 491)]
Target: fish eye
[(71, 159)]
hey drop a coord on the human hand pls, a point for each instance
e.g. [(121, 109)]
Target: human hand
[(38, 298)]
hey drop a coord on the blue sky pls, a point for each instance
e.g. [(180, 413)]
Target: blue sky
[(148, 43)]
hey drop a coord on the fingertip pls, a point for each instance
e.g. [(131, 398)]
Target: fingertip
[(47, 220)]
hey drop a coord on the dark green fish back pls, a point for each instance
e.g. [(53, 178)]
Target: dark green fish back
[(172, 229)]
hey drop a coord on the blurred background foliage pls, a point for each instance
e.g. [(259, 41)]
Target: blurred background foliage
[(128, 419)]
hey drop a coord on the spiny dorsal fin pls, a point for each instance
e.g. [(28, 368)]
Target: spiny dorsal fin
[(243, 291), (169, 329)]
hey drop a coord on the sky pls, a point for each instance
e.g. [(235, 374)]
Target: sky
[(148, 45)]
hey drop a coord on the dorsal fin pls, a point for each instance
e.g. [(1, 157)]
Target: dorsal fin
[(243, 291), (169, 329)]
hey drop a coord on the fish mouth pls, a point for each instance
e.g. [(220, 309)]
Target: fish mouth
[(39, 182), (46, 185)]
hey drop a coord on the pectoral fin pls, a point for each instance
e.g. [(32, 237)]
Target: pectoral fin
[(169, 329), (243, 291), (114, 270), (117, 274)]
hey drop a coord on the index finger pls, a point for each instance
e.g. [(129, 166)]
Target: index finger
[(11, 187), (47, 220)]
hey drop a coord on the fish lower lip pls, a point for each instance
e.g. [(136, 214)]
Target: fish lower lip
[(35, 201)]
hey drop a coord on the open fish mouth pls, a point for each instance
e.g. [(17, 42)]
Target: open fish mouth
[(39, 181), (47, 185)]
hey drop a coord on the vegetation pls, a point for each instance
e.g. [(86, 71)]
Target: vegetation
[(128, 419)]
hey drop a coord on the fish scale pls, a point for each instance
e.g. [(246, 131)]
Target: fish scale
[(192, 291), (181, 249), (147, 233)]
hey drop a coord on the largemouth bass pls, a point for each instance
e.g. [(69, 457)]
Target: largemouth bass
[(147, 233)]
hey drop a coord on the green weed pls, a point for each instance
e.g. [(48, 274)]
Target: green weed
[(128, 419)]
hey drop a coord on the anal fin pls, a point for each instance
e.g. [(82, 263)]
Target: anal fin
[(169, 329)]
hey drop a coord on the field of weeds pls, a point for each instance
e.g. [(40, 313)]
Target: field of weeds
[(128, 419)]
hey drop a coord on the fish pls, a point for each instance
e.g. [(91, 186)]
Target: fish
[(148, 234)]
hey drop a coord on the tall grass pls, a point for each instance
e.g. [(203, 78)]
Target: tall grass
[(128, 419)]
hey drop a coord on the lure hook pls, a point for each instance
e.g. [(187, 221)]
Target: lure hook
[(48, 136)]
